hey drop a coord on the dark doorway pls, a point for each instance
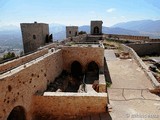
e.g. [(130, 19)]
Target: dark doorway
[(76, 79), (18, 113), (92, 72), (76, 69), (47, 39), (96, 30)]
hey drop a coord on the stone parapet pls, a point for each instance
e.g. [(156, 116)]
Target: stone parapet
[(22, 60), (69, 105), (149, 74)]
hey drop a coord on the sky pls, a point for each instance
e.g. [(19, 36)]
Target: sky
[(77, 12)]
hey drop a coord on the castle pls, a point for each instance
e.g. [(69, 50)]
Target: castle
[(56, 81), (24, 81), (35, 35)]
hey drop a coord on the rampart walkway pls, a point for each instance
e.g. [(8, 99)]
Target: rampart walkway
[(129, 95)]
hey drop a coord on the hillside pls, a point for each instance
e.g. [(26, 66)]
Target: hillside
[(11, 35), (145, 27)]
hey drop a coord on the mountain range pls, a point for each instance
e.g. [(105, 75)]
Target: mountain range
[(11, 35), (142, 25)]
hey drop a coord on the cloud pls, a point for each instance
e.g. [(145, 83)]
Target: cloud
[(111, 10)]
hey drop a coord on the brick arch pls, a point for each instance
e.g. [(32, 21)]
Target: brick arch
[(87, 63), (96, 30), (92, 65), (76, 68), (17, 113), (92, 72)]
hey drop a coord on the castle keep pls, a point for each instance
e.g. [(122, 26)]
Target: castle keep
[(96, 27), (34, 36), (71, 31)]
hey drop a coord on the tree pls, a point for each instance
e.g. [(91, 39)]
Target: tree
[(9, 55), (82, 32), (109, 36)]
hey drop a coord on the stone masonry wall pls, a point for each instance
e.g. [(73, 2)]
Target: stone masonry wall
[(79, 38), (146, 48), (84, 55), (126, 37), (96, 24), (18, 87), (67, 105), (71, 31), (144, 67), (49, 46), (22, 60), (34, 35)]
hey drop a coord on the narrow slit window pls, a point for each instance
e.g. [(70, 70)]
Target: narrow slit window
[(34, 36)]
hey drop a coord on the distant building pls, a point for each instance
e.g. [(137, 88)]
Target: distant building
[(96, 27), (71, 31), (34, 35)]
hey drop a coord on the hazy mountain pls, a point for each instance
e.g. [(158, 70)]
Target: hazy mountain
[(11, 38), (11, 35), (108, 30), (55, 28), (58, 31), (9, 28), (85, 28), (142, 26), (118, 30)]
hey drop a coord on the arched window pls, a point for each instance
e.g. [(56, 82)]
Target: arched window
[(96, 30)]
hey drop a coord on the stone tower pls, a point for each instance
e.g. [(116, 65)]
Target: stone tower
[(34, 35), (96, 27), (71, 31)]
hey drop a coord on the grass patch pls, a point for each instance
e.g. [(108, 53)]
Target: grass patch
[(108, 84)]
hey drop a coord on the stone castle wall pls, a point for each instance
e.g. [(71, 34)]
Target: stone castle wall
[(94, 38), (96, 24), (49, 46), (146, 48), (18, 87), (22, 60), (126, 37), (34, 35), (79, 38), (71, 31), (84, 55), (144, 67), (66, 105), (154, 40)]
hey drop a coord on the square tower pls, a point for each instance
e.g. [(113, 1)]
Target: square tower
[(71, 31), (96, 27), (34, 35)]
